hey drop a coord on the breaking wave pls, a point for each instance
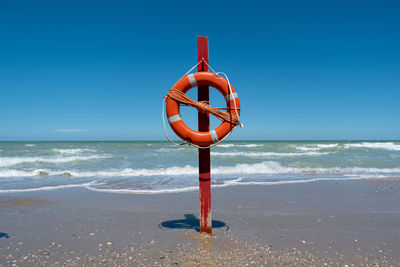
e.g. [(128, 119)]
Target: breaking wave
[(9, 161), (268, 154), (377, 145), (46, 188), (122, 167), (372, 145), (266, 167), (72, 150), (235, 182), (316, 147), (163, 149), (240, 145)]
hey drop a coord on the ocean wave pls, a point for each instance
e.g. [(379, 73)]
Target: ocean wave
[(316, 147), (21, 173), (234, 182), (30, 145), (376, 145), (47, 188), (163, 149), (9, 161), (140, 191), (266, 167), (6, 173), (160, 191), (240, 145), (367, 176), (272, 167), (72, 150), (127, 172), (268, 154), (300, 181)]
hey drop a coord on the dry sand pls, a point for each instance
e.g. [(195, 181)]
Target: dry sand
[(354, 223)]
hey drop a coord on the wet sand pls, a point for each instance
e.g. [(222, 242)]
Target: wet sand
[(321, 223)]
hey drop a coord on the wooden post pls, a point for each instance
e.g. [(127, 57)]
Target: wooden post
[(204, 154)]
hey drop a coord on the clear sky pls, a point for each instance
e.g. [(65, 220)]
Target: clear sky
[(73, 70)]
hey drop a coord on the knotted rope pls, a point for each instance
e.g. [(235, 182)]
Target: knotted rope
[(202, 106)]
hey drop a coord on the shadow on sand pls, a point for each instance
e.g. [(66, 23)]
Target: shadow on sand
[(191, 222)]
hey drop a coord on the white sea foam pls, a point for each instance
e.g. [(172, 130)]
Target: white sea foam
[(72, 150), (9, 173), (129, 172), (30, 145), (368, 176), (163, 149), (316, 147), (240, 145), (21, 173), (90, 186), (377, 145), (235, 182), (272, 167), (9, 161), (140, 191), (46, 188), (266, 167), (295, 181), (259, 154), (161, 191)]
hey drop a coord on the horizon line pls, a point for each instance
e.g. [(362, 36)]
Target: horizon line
[(236, 140)]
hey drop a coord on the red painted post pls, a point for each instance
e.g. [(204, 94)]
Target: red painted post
[(204, 154)]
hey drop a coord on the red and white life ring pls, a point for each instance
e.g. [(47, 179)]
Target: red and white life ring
[(202, 79)]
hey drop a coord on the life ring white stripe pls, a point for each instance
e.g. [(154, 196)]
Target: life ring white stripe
[(231, 96), (214, 136), (174, 118), (192, 80)]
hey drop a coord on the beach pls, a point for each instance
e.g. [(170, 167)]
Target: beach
[(136, 203), (333, 223)]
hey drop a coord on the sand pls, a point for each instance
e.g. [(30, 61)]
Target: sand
[(354, 223)]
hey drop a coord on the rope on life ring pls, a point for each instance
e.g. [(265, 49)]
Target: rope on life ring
[(202, 106)]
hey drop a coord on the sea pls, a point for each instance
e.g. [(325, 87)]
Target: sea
[(156, 167)]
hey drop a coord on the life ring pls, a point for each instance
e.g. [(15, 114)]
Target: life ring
[(202, 79)]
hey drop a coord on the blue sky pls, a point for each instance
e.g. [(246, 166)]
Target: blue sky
[(90, 70)]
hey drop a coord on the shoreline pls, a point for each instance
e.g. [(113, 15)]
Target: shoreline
[(332, 222), (233, 183)]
